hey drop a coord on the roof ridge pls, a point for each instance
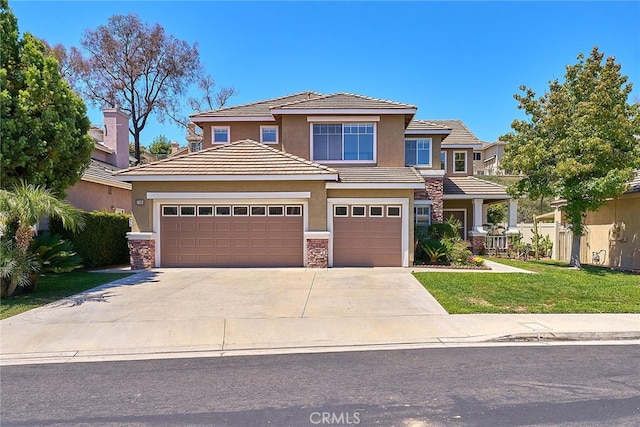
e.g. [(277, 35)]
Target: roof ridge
[(247, 104), (370, 98)]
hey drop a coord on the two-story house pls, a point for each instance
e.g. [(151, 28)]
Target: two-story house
[(487, 158), (306, 180)]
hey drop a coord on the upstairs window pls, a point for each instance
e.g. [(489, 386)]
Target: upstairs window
[(459, 161), (417, 152), (221, 135), (269, 134), (477, 155), (343, 142), (443, 159)]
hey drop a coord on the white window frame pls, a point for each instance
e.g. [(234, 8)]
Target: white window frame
[(417, 140), (466, 162), (335, 211), (257, 206), (213, 134), (171, 206), (286, 210), (275, 206), (233, 210), (443, 161), (343, 122), (195, 146), (477, 154), (195, 211), (269, 127), (371, 207), (364, 211), (215, 212), (394, 207), (205, 206), (421, 204)]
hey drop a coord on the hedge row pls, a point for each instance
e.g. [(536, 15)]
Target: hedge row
[(102, 242)]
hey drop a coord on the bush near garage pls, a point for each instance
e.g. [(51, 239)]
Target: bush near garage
[(103, 242)]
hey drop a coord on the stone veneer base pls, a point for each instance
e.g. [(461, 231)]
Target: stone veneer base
[(142, 254)]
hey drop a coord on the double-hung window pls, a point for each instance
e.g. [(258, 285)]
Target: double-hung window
[(417, 152), (459, 161), (221, 135), (343, 141), (422, 215), (269, 134)]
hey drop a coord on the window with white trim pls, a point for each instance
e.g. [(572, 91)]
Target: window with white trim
[(195, 146), (269, 134), (477, 155), (258, 210), (294, 210), (343, 141), (205, 210), (376, 211), (169, 211), (223, 210), (340, 211), (221, 134), (417, 152), (241, 211), (393, 211), (422, 214), (459, 161), (443, 160), (358, 211), (276, 210), (187, 211)]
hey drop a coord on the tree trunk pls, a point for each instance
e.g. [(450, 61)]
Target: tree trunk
[(575, 252)]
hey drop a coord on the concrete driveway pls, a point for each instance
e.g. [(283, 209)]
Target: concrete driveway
[(187, 310)]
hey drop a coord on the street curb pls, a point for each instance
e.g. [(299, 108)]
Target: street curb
[(567, 336)]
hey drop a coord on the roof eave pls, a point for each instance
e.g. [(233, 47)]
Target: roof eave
[(427, 132), (207, 119), (230, 177), (344, 111)]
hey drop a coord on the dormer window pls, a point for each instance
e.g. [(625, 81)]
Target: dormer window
[(221, 135), (417, 152), (349, 142)]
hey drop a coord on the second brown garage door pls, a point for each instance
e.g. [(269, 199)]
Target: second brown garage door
[(367, 236), (231, 236)]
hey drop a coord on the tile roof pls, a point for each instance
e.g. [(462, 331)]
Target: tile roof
[(469, 185), (102, 172), (365, 175), (244, 157), (426, 125), (258, 108), (343, 101), (460, 134)]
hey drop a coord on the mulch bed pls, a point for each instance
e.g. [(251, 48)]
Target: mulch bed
[(452, 267)]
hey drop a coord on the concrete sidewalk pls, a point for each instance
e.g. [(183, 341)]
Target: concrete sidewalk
[(198, 312)]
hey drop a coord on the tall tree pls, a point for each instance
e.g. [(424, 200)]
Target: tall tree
[(578, 143), (135, 66), (160, 146), (43, 123)]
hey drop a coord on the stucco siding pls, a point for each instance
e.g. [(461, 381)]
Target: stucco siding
[(90, 196)]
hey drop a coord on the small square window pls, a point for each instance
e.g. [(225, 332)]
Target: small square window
[(276, 210), (223, 210), (187, 211), (393, 211), (375, 211), (294, 210), (205, 210), (258, 210), (269, 134), (169, 211), (241, 211), (221, 135), (340, 211), (358, 211), (477, 156)]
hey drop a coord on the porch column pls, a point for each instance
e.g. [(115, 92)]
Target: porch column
[(477, 234), (513, 217)]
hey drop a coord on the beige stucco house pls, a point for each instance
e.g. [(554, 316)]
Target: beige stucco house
[(307, 180), (98, 190), (487, 158)]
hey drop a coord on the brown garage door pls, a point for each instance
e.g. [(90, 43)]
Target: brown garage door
[(367, 236), (231, 236)]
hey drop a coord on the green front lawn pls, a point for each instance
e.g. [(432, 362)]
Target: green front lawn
[(52, 287), (555, 289)]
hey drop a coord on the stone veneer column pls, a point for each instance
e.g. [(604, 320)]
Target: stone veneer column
[(433, 191), (478, 241), (316, 249), (142, 250)]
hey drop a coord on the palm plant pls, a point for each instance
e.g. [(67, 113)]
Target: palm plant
[(20, 209)]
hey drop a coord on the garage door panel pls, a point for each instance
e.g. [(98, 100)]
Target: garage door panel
[(227, 241)]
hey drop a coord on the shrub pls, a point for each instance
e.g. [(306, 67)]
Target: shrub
[(54, 254), (435, 250), (103, 242)]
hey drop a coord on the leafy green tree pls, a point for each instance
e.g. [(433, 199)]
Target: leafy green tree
[(578, 142), (43, 123), (20, 209), (160, 147)]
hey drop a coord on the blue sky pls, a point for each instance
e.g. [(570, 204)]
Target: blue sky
[(461, 60)]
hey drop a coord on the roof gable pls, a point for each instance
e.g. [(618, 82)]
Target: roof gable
[(343, 101), (238, 160), (460, 134)]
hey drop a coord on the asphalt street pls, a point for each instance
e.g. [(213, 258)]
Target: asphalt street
[(572, 385)]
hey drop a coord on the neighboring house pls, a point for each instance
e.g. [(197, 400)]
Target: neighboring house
[(98, 190), (486, 159), (307, 180), (612, 233)]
